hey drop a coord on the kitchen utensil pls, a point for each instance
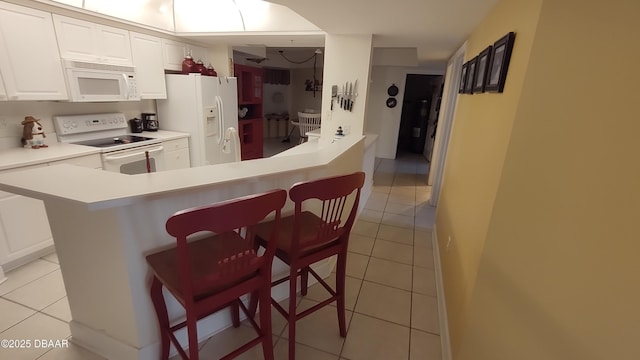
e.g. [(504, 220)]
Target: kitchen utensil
[(136, 125), (150, 122), (334, 94), (349, 97), (353, 96)]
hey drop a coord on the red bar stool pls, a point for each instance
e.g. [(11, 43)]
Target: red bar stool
[(307, 237), (207, 274)]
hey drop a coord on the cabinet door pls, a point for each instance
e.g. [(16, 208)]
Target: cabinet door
[(176, 155), (29, 59), (173, 53), (25, 224), (76, 38), (256, 73), (177, 159), (250, 139), (147, 59), (86, 41), (90, 161), (114, 46)]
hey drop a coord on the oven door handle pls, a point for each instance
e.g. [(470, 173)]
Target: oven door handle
[(127, 154)]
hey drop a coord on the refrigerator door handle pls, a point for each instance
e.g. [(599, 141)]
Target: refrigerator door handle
[(220, 118)]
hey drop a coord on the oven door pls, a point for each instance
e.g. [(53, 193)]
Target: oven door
[(138, 160)]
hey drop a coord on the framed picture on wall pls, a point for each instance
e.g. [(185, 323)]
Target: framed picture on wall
[(482, 68), (463, 78), (499, 64), (471, 73)]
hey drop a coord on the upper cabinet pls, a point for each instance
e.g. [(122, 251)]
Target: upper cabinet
[(29, 59), (174, 52), (249, 84), (85, 41), (147, 59)]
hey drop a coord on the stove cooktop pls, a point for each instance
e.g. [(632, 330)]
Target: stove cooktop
[(113, 141)]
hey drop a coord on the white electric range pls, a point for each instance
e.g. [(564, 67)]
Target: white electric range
[(120, 151)]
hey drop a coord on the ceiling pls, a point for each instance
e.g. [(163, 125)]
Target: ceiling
[(437, 28)]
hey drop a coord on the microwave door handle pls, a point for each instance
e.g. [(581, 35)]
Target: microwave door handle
[(126, 83), (153, 150)]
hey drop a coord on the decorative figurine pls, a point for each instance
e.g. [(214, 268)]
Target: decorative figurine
[(32, 134), (339, 132)]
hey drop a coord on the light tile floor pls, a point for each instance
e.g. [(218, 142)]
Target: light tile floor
[(391, 293)]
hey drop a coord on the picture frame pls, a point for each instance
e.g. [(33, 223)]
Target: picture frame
[(463, 78), (499, 64), (482, 69), (471, 73)]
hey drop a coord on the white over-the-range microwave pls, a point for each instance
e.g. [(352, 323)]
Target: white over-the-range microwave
[(93, 82)]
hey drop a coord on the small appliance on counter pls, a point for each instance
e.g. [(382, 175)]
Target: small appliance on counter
[(150, 122), (136, 125)]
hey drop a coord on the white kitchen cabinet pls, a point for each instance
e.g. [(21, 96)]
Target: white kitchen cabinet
[(29, 59), (147, 59), (90, 161), (24, 227), (176, 154), (174, 52), (86, 41)]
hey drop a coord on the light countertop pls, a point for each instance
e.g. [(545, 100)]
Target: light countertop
[(22, 157), (70, 182)]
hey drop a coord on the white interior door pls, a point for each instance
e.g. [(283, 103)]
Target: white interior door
[(449, 101)]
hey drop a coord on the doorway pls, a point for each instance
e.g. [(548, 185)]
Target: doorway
[(419, 118)]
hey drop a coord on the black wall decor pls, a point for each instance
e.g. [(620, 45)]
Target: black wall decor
[(463, 78), (499, 64), (471, 73), (482, 68)]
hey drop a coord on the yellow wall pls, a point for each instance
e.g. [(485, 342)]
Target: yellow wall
[(479, 141), (557, 276)]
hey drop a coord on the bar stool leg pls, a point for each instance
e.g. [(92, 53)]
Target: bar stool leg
[(265, 322), (235, 313), (304, 279), (340, 291), (293, 275), (163, 317), (192, 332)]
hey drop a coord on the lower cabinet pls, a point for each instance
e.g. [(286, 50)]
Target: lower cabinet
[(176, 154), (24, 228), (251, 141)]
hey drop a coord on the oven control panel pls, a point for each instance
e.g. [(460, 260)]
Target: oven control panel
[(78, 124)]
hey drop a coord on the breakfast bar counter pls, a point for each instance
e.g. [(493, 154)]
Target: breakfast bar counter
[(105, 223)]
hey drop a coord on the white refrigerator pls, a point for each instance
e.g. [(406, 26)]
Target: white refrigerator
[(205, 107)]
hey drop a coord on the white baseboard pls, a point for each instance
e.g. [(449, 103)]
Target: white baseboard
[(445, 341)]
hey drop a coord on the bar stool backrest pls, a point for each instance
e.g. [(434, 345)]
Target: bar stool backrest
[(338, 199)]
